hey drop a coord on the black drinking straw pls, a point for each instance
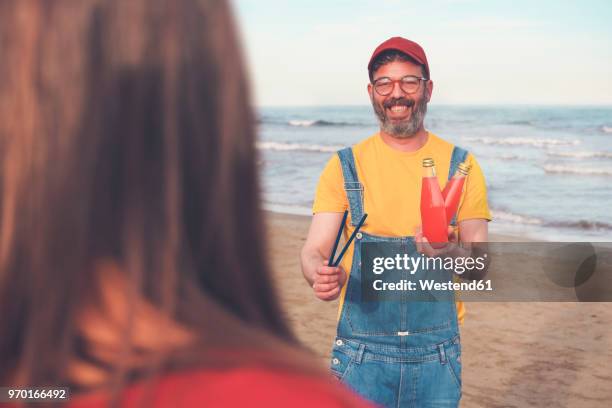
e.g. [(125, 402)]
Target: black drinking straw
[(333, 252), (350, 240)]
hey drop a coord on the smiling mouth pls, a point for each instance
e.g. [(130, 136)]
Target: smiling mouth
[(398, 108), (399, 112)]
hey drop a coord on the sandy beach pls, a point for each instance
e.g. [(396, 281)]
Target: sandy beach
[(514, 354)]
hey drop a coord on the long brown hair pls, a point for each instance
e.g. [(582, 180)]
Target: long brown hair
[(126, 135)]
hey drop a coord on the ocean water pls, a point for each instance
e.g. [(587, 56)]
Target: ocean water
[(548, 169)]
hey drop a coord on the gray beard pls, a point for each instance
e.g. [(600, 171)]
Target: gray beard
[(404, 129)]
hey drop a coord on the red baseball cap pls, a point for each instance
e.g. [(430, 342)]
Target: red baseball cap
[(408, 47)]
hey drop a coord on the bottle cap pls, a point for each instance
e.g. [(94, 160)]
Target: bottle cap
[(428, 162), (464, 168)]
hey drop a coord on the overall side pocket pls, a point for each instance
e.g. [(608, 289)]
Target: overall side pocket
[(454, 366), (341, 362)]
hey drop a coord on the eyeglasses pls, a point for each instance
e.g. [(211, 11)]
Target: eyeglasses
[(408, 84)]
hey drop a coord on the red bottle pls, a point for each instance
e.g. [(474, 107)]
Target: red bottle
[(452, 191), (433, 211)]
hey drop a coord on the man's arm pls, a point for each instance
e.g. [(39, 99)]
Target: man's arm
[(474, 230), (474, 235), (326, 281)]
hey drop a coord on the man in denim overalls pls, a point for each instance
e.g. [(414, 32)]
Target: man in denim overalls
[(396, 353)]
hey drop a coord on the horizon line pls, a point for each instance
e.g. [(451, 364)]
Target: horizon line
[(462, 104)]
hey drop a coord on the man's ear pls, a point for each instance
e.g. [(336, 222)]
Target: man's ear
[(370, 89), (429, 90)]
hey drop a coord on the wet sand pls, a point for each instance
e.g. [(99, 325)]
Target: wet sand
[(514, 354)]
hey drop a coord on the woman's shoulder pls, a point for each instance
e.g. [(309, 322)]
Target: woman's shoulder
[(236, 387)]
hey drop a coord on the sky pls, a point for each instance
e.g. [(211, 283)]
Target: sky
[(536, 52)]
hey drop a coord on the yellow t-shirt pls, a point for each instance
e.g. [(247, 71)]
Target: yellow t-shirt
[(392, 190)]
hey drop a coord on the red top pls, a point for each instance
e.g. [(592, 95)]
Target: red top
[(241, 387)]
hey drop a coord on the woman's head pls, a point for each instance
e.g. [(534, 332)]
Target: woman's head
[(126, 139)]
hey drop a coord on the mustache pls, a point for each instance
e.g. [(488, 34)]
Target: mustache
[(399, 101)]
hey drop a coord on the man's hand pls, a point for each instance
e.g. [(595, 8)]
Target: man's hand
[(424, 247), (328, 282), (472, 242)]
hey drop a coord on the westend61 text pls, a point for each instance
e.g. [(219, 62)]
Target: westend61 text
[(429, 285)]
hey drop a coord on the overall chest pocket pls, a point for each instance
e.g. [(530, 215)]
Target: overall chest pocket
[(384, 297)]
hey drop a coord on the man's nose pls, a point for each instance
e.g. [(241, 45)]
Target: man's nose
[(397, 91)]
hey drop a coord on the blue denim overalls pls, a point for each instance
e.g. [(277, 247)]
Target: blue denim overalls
[(395, 353)]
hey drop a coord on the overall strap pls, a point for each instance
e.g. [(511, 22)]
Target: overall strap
[(459, 156), (352, 186)]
